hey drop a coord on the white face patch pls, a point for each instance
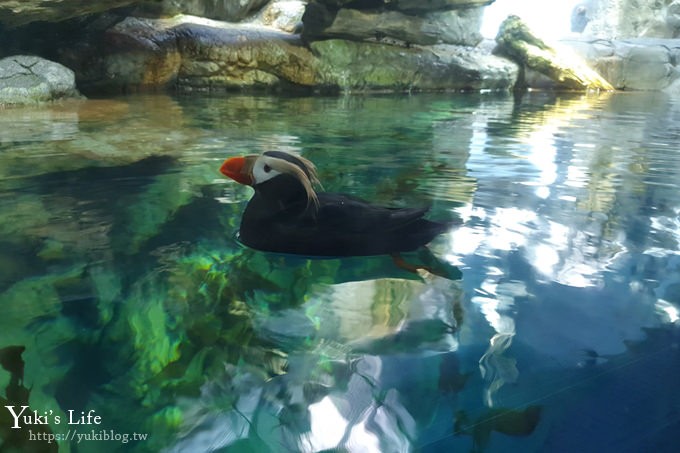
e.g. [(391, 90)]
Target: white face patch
[(266, 167), (262, 170)]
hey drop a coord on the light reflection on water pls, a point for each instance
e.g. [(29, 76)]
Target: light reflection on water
[(117, 241)]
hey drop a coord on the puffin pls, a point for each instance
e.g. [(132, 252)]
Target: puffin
[(288, 215)]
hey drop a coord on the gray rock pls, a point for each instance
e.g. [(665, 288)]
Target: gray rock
[(29, 80), (132, 54), (435, 5), (353, 66), (580, 16), (285, 15), (673, 17), (631, 64), (14, 13), (622, 19), (145, 53), (445, 27), (407, 5), (211, 55), (229, 10), (640, 66), (241, 56)]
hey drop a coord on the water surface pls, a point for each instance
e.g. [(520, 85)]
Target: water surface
[(124, 291)]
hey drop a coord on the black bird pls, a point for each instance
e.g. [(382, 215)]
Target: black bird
[(287, 215)]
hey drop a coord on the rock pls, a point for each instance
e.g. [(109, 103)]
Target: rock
[(621, 19), (407, 5), (141, 53), (194, 53), (448, 27), (351, 66), (673, 17), (519, 43), (29, 80), (579, 18), (434, 5), (112, 54), (241, 56), (631, 64), (228, 10), (199, 54), (640, 65), (14, 13), (284, 15)]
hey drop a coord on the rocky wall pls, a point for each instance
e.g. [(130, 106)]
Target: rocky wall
[(16, 13), (625, 19), (632, 64), (369, 46), (343, 45)]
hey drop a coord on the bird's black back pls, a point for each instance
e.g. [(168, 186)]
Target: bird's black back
[(279, 218)]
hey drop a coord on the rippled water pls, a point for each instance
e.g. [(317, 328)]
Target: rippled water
[(124, 292)]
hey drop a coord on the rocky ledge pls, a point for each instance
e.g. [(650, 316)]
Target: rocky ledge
[(190, 53), (315, 45), (359, 45)]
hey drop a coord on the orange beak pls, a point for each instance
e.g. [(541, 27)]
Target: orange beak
[(238, 169)]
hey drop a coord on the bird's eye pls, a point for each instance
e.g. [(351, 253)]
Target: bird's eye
[(267, 168)]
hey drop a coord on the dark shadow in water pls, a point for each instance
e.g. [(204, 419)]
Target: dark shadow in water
[(511, 422), (97, 181), (84, 378), (34, 437)]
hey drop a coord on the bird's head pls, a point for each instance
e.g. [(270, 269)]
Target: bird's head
[(254, 169)]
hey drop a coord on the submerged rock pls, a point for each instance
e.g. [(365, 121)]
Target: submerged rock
[(29, 80)]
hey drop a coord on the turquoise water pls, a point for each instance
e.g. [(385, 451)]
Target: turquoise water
[(552, 326)]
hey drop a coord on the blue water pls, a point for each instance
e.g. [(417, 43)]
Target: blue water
[(549, 324)]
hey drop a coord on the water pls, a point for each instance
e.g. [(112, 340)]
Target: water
[(126, 296)]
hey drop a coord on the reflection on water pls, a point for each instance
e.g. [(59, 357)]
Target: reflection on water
[(123, 287)]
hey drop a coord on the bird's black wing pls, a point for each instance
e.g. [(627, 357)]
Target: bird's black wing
[(344, 226), (339, 212)]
